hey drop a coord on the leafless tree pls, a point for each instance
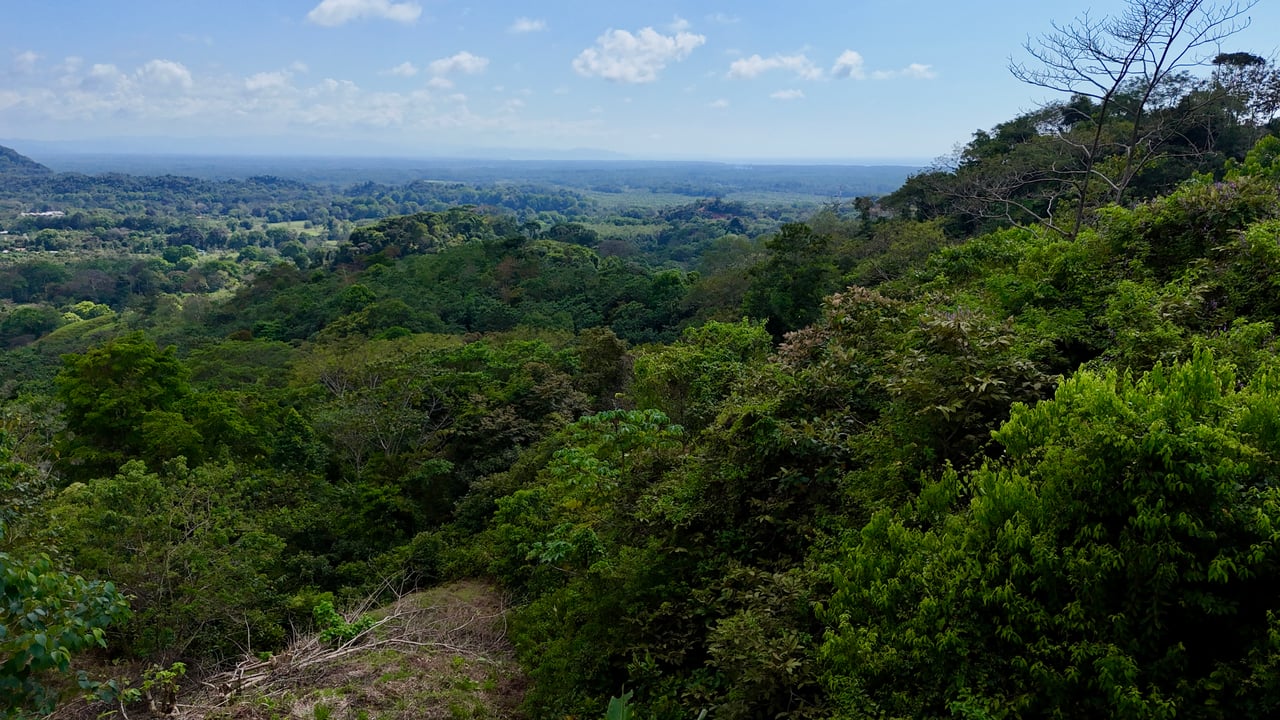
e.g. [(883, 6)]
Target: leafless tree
[(1124, 64)]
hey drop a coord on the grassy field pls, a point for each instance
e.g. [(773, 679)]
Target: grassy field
[(625, 232), (298, 226)]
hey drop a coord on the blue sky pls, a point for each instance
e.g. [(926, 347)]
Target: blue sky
[(806, 79)]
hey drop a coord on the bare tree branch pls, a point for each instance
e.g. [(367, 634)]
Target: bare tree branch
[(1125, 64)]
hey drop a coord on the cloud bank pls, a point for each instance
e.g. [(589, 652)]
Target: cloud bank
[(622, 57)]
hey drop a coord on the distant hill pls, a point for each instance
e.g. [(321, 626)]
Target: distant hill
[(14, 163)]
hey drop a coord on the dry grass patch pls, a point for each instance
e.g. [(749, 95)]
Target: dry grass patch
[(441, 653)]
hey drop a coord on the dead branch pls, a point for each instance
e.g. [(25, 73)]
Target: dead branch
[(460, 630)]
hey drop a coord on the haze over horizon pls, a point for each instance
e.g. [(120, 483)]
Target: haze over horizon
[(94, 152), (815, 80)]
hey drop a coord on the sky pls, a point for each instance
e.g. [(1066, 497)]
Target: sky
[(813, 80)]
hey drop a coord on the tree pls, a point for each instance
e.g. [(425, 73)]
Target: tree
[(124, 400), (604, 366), (199, 569), (689, 380), (28, 323), (1120, 561), (788, 286), (1251, 83), (383, 400), (571, 541), (1124, 65), (47, 615)]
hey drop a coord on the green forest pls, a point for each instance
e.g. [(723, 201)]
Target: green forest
[(1001, 443)]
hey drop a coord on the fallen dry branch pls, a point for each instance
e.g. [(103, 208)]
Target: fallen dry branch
[(473, 630)]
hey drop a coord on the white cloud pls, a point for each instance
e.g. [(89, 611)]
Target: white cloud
[(103, 71), (792, 94), (849, 65), (165, 73), (404, 69), (679, 25), (720, 103), (332, 13), (623, 57), (463, 62), (527, 25), (724, 18), (268, 81), (274, 82), (103, 77), (914, 71), (25, 62), (440, 83), (331, 85), (918, 70), (754, 66)]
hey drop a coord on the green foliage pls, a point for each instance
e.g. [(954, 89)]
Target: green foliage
[(47, 617), (576, 530), (24, 324), (620, 708), (200, 572), (460, 276), (159, 687), (689, 379), (894, 250), (123, 400), (47, 614), (1263, 161), (957, 374), (87, 310), (551, 530), (1126, 136), (788, 286), (1171, 232), (1112, 565), (334, 629), (603, 366)]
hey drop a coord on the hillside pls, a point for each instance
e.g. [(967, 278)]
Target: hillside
[(1004, 443), (14, 163)]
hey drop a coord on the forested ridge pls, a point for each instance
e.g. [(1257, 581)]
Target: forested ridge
[(1002, 443)]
